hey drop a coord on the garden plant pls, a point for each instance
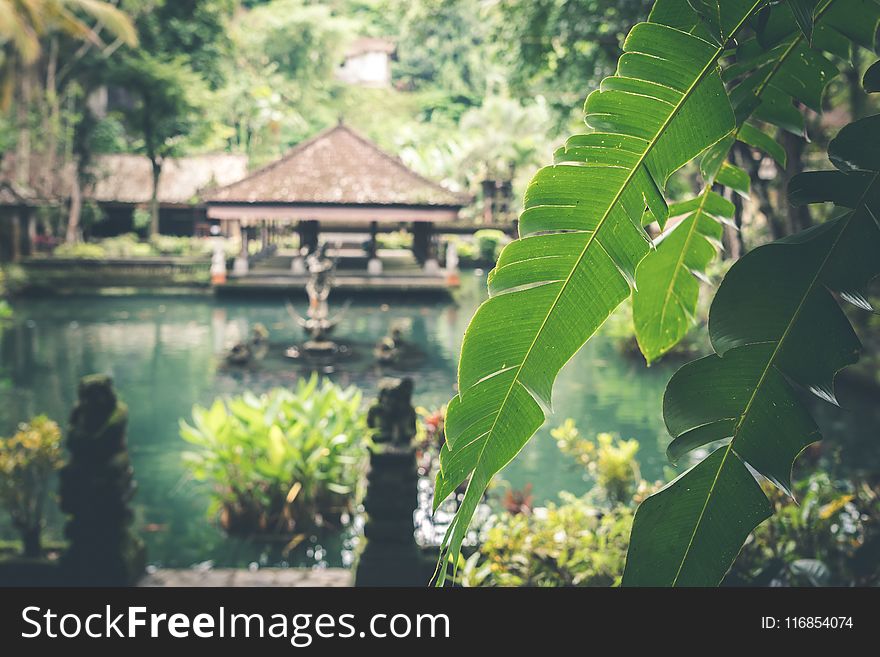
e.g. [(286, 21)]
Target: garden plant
[(693, 81)]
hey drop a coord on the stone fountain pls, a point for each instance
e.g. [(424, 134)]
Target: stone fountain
[(318, 323)]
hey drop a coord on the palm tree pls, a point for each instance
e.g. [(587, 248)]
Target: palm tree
[(26, 27), (23, 23)]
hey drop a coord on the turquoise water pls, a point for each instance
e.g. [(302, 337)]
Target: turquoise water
[(165, 354)]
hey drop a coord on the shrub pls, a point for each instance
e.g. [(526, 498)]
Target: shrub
[(27, 462), (830, 537), (181, 246), (567, 544), (280, 460), (489, 243), (610, 460), (84, 250)]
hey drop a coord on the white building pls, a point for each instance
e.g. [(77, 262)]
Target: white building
[(367, 63)]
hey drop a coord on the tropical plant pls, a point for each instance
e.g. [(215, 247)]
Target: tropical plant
[(582, 240), (489, 242), (609, 459), (24, 22), (282, 460), (830, 537), (775, 69), (774, 324), (579, 541), (27, 462), (571, 543)]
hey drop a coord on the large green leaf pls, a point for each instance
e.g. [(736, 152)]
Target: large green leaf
[(581, 238), (769, 78), (774, 325)]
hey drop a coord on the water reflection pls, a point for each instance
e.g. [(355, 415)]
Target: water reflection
[(165, 354)]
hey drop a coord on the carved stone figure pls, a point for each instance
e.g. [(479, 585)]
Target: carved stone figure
[(392, 416), (96, 487)]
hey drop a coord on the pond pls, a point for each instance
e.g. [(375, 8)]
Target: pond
[(166, 354)]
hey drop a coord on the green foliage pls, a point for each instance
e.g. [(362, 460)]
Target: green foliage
[(489, 243), (774, 70), (566, 544), (559, 47), (283, 460), (581, 239), (774, 324), (168, 102), (610, 460), (581, 541), (129, 245), (196, 29), (829, 537), (399, 239), (27, 462)]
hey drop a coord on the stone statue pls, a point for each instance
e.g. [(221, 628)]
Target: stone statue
[(318, 324), (389, 555), (392, 416), (96, 487)]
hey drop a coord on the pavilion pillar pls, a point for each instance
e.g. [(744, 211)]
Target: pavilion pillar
[(264, 236), (16, 237), (30, 233), (422, 233), (308, 235), (374, 265), (241, 264)]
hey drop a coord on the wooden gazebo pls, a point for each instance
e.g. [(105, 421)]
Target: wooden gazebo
[(338, 180)]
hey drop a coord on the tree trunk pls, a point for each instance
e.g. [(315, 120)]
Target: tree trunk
[(31, 544), (154, 196), (75, 212), (51, 112), (23, 121), (798, 216)]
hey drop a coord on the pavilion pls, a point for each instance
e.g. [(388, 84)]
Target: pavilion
[(335, 181)]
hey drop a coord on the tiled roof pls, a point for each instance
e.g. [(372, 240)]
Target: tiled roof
[(128, 178), (337, 166), (369, 44)]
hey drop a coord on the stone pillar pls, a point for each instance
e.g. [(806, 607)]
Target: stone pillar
[(374, 264), (16, 237), (308, 235), (390, 555), (242, 262), (96, 487), (30, 221), (422, 232)]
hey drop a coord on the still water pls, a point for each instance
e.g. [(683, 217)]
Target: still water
[(166, 354)]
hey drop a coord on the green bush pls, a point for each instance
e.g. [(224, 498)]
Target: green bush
[(566, 544), (400, 239), (171, 245), (27, 461), (489, 243), (581, 541), (88, 251), (280, 460), (829, 537)]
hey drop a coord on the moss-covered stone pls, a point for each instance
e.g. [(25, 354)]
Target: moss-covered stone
[(96, 488)]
